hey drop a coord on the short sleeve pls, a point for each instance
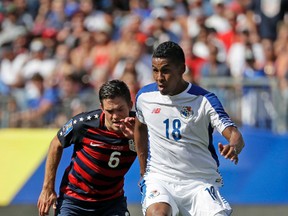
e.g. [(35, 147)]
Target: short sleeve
[(139, 113), (69, 132), (219, 119)]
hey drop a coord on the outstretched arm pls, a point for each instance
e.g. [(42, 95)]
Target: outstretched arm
[(235, 145), (48, 195), (141, 143)]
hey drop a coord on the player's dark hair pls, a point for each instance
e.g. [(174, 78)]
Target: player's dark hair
[(169, 50), (113, 89)]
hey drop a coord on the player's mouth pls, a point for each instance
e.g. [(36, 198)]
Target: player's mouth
[(117, 124), (161, 87)]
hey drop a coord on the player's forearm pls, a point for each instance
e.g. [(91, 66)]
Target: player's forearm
[(53, 158), (141, 144), (142, 153), (142, 157), (237, 140)]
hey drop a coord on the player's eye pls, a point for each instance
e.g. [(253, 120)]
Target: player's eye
[(109, 111)]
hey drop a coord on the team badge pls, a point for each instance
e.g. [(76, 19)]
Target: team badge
[(67, 128), (186, 112), (153, 194), (132, 145)]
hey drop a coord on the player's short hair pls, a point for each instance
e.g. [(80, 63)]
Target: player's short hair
[(113, 89), (169, 50)]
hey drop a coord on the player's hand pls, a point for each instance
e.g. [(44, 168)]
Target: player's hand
[(127, 127), (45, 201), (229, 152)]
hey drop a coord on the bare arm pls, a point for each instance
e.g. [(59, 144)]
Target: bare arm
[(141, 143), (235, 145), (48, 195)]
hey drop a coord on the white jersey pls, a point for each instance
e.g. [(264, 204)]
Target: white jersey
[(180, 131)]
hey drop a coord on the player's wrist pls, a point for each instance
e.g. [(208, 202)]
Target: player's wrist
[(238, 148)]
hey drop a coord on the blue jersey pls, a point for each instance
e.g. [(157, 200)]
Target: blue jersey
[(180, 131), (100, 159)]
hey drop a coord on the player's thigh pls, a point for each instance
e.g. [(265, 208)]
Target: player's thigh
[(209, 202), (117, 207), (67, 207), (157, 198)]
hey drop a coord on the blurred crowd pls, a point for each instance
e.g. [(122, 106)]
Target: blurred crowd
[(55, 54)]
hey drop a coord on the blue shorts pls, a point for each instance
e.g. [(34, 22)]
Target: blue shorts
[(68, 206)]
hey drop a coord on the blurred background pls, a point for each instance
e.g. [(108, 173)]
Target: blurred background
[(55, 54)]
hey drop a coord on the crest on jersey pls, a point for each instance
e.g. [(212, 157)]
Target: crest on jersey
[(153, 194), (132, 145), (67, 128), (186, 112)]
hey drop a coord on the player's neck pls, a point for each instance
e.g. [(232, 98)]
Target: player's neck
[(181, 86)]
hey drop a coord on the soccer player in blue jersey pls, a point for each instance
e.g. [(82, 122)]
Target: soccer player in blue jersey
[(103, 153), (173, 138)]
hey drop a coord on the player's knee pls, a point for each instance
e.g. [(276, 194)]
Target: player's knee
[(159, 210)]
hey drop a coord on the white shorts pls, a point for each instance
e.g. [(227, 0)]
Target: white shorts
[(194, 197)]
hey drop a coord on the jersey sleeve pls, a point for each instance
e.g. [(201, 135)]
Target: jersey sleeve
[(219, 119), (68, 134), (139, 113)]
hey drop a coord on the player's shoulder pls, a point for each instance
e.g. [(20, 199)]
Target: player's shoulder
[(88, 118), (148, 88), (197, 90)]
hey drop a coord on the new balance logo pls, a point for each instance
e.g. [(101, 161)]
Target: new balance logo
[(156, 110)]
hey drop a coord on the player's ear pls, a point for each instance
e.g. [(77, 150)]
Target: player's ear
[(131, 105), (183, 68)]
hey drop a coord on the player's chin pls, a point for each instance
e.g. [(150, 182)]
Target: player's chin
[(163, 89), (116, 127)]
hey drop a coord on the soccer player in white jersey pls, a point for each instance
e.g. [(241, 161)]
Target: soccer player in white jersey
[(173, 137)]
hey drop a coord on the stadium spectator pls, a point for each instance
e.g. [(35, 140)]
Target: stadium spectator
[(236, 53), (10, 74), (214, 66), (24, 17), (76, 93), (265, 16), (255, 100), (82, 48), (159, 29), (55, 16), (129, 76), (139, 59), (102, 56), (217, 20), (230, 36), (196, 18), (269, 65), (38, 62), (42, 104)]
